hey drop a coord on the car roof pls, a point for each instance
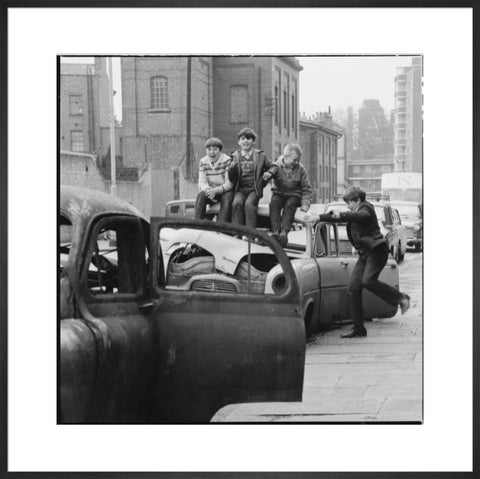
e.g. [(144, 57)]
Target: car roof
[(83, 202), (405, 203)]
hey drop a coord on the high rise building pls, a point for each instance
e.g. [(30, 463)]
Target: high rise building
[(408, 128)]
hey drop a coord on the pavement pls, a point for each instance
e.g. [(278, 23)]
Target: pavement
[(376, 379)]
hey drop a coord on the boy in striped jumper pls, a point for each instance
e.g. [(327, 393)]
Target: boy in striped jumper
[(213, 181)]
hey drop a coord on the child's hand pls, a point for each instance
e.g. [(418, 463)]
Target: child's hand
[(304, 208), (210, 193), (266, 176)]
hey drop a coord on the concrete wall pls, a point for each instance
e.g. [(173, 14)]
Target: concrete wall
[(82, 171)]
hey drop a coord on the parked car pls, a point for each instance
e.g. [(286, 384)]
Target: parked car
[(411, 214), (133, 348), (180, 208), (390, 225), (321, 268)]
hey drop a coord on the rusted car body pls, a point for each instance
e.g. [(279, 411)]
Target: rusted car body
[(321, 257), (132, 349)]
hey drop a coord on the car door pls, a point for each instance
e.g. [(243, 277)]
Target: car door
[(220, 339), (334, 274), (106, 342)]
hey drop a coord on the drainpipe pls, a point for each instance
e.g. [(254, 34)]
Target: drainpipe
[(188, 138), (113, 166), (260, 109)]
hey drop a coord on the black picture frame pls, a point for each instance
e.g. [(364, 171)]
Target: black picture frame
[(4, 8)]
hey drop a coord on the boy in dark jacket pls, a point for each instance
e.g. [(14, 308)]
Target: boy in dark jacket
[(364, 234), (291, 189), (248, 175)]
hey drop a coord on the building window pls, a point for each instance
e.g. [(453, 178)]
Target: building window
[(293, 113), (285, 109), (356, 170), (159, 93), (276, 105), (76, 105), (76, 138), (239, 104)]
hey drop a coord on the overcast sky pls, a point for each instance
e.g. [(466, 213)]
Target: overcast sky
[(340, 82), (337, 82)]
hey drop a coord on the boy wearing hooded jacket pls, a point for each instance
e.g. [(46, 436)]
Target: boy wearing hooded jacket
[(291, 189)]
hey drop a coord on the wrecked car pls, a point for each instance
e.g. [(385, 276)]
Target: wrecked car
[(155, 329), (318, 254)]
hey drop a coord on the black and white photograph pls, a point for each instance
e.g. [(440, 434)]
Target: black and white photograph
[(186, 318), (243, 241)]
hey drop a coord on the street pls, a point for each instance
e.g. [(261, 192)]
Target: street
[(372, 379)]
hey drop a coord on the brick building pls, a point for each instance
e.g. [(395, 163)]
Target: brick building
[(84, 112), (171, 105), (320, 157)]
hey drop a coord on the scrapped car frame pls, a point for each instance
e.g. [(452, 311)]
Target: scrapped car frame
[(152, 355)]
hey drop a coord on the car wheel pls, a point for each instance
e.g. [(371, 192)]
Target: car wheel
[(308, 320), (401, 255), (418, 247)]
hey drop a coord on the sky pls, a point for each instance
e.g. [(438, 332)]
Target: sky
[(345, 81), (336, 82)]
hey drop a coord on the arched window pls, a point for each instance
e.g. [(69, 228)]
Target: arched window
[(159, 93)]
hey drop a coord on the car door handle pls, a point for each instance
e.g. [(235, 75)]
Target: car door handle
[(344, 263), (145, 307)]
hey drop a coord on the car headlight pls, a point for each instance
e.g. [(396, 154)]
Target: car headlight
[(279, 284), (416, 227)]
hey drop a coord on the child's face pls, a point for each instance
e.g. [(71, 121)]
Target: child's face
[(291, 158), (353, 205), (245, 143), (213, 151)]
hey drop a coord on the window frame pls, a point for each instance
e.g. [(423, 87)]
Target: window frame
[(70, 97), (72, 141), (157, 105), (95, 226)]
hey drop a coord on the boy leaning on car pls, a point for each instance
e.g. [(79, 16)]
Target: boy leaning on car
[(364, 234)]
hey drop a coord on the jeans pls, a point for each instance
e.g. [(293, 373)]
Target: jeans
[(289, 205), (244, 208), (365, 275), (225, 205)]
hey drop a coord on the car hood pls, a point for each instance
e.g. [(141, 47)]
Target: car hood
[(227, 250)]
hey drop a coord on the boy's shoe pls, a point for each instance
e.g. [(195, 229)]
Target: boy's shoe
[(404, 303), (355, 332), (283, 238)]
